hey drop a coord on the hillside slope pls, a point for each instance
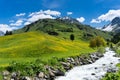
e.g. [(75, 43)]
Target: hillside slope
[(32, 45), (47, 38), (61, 26)]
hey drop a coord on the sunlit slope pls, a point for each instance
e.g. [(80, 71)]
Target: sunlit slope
[(34, 44)]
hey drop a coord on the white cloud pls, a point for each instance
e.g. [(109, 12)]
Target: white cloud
[(81, 19), (69, 13), (17, 23), (47, 12), (34, 16), (95, 21), (5, 27), (40, 16), (53, 13), (109, 16), (26, 23), (21, 14)]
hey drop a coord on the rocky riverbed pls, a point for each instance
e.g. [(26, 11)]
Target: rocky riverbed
[(94, 71)]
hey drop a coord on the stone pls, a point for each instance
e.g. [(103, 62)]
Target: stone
[(35, 78), (111, 63), (59, 73), (41, 75), (46, 76), (65, 64), (51, 74), (103, 64), (93, 74), (5, 73), (96, 68), (14, 74), (25, 78), (5, 78)]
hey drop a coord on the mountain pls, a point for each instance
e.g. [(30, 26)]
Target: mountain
[(63, 27), (1, 33), (113, 26), (45, 39), (69, 19)]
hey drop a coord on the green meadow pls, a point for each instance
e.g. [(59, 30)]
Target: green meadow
[(27, 47)]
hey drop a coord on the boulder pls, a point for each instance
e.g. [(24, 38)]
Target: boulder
[(35, 78), (14, 76), (96, 68), (5, 73), (41, 75), (25, 78), (93, 74), (51, 73), (59, 73), (5, 78)]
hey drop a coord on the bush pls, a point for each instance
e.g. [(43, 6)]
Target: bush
[(97, 42), (72, 37)]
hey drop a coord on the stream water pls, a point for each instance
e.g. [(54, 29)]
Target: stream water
[(94, 71)]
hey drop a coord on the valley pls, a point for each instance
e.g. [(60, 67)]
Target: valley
[(48, 42)]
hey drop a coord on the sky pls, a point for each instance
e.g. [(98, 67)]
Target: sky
[(15, 14)]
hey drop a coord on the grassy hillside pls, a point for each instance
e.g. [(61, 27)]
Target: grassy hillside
[(33, 45), (32, 41), (58, 26)]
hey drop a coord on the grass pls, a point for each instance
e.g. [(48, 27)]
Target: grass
[(118, 51), (113, 76), (27, 47)]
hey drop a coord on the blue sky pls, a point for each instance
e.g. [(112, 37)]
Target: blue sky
[(17, 13)]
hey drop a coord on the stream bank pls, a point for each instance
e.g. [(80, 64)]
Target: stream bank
[(94, 71), (52, 72)]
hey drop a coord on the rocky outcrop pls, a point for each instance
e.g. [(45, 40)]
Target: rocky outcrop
[(52, 72)]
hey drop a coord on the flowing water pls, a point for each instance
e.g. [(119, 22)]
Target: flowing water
[(94, 71)]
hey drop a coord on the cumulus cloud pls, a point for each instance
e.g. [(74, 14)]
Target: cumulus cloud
[(46, 12), (17, 23), (69, 13), (95, 21), (21, 14), (81, 19), (5, 27), (53, 13), (109, 16), (26, 23), (34, 16), (39, 16)]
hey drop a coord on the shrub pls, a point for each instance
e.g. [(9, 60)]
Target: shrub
[(97, 42), (72, 37)]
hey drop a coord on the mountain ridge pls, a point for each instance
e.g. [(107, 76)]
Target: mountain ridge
[(61, 26), (113, 26)]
